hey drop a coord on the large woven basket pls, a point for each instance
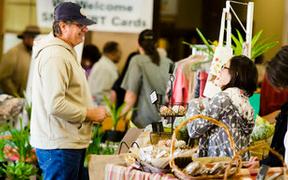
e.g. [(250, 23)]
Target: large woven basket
[(235, 160)]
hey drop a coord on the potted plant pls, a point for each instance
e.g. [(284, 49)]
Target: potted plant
[(19, 170), (258, 46), (114, 135), (17, 155), (2, 159), (96, 147), (209, 45)]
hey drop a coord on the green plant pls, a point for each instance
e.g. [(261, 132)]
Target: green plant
[(107, 149), (28, 108), (20, 140), (2, 155), (258, 46), (209, 45), (114, 111), (17, 148), (19, 170), (208, 50), (95, 147), (2, 171)]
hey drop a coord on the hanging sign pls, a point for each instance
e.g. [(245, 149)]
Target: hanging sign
[(130, 16)]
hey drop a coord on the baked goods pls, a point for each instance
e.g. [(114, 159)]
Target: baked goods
[(173, 110)]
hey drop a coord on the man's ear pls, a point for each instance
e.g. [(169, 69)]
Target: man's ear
[(62, 26)]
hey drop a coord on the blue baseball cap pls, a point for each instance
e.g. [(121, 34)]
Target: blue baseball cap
[(68, 11)]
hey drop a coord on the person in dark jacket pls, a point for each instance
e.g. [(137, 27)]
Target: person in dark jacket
[(118, 90), (278, 139), (276, 72)]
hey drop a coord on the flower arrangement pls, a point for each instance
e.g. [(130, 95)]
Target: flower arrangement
[(17, 155)]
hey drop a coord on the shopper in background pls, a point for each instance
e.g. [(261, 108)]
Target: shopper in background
[(276, 74), (118, 92), (62, 113), (271, 99), (147, 72), (15, 64), (104, 73), (238, 80), (90, 56)]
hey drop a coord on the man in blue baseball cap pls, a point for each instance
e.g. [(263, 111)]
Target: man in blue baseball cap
[(69, 11), (63, 113)]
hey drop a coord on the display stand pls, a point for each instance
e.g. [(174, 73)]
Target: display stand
[(167, 110), (223, 52)]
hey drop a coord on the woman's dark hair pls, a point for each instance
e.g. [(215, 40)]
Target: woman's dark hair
[(277, 69), (243, 73), (91, 52), (147, 41)]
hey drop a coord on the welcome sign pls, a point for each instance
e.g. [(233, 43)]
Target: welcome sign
[(130, 16)]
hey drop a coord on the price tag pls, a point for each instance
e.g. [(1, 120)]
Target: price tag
[(153, 97)]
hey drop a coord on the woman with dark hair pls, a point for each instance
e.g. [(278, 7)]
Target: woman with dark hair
[(276, 73), (238, 81), (90, 56), (147, 72), (277, 69)]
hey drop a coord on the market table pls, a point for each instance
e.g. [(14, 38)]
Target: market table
[(118, 172), (97, 164), (113, 171)]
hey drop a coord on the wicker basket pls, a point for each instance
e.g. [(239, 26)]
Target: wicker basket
[(235, 160)]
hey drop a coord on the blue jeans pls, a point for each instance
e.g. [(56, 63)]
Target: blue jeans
[(62, 164)]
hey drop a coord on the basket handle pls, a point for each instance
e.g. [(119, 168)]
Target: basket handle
[(211, 120), (126, 145), (236, 157)]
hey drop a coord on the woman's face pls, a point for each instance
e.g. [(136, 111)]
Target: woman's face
[(224, 77)]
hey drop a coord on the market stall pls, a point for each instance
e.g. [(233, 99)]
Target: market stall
[(114, 171), (165, 150), (151, 161), (166, 153)]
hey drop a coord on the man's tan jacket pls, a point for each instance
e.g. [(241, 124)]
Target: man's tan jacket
[(60, 97)]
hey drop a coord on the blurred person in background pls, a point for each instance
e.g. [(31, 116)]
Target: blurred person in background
[(15, 64), (276, 75), (147, 72), (118, 92), (90, 56), (104, 73)]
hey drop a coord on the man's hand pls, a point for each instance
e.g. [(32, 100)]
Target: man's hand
[(97, 114), (252, 163)]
